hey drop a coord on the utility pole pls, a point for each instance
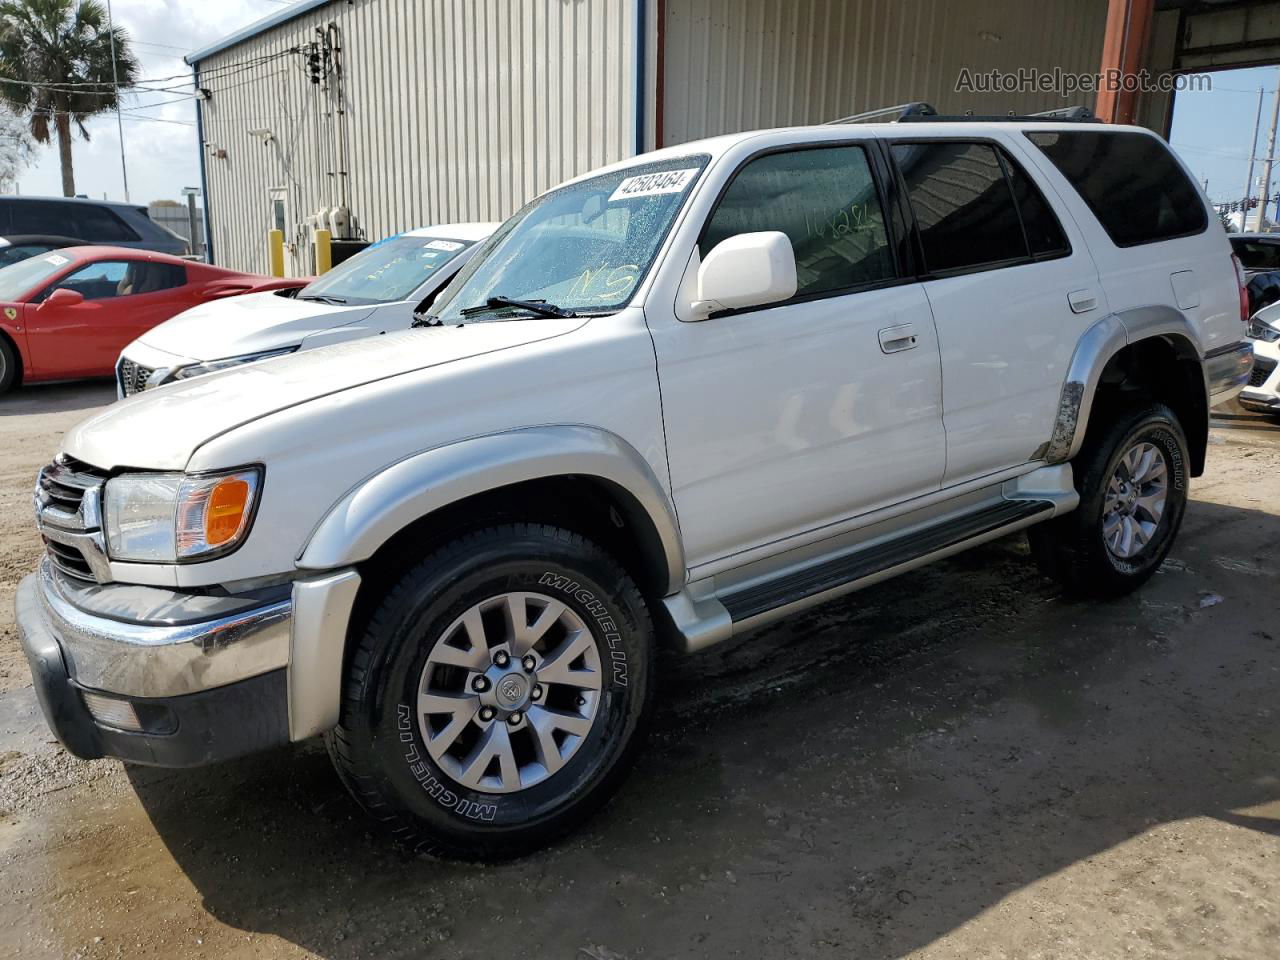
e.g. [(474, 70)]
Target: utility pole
[(1271, 152), (1253, 152), (115, 80)]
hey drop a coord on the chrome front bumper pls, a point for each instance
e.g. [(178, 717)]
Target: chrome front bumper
[(157, 659)]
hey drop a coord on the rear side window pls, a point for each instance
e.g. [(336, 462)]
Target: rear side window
[(963, 204), (1130, 181), (102, 225), (1044, 232), (825, 201)]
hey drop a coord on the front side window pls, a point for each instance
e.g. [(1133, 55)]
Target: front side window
[(583, 248), (825, 201), (962, 203), (386, 272), (1130, 182), (121, 278)]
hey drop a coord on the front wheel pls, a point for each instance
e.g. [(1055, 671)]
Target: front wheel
[(498, 693), (1132, 480), (8, 365)]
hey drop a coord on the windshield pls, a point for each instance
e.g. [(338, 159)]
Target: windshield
[(584, 247), (20, 278), (386, 272), (1257, 254)]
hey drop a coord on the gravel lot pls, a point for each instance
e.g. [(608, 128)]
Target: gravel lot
[(957, 763)]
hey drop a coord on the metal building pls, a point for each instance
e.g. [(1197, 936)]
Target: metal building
[(373, 116)]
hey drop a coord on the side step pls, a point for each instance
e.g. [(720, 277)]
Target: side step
[(811, 581)]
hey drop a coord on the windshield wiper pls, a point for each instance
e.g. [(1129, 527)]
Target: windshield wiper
[(540, 307), (322, 298)]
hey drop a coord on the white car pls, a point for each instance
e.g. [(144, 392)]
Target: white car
[(376, 291), (1262, 393), (670, 401)]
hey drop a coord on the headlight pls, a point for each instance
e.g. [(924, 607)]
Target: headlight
[(1259, 329), (172, 517), (213, 366)]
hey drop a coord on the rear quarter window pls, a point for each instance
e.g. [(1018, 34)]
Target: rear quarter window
[(1130, 182)]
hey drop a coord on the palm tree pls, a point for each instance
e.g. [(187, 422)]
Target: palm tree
[(56, 67)]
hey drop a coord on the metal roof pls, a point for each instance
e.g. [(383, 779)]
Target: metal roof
[(296, 9)]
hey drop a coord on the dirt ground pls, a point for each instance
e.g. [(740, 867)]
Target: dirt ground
[(955, 764)]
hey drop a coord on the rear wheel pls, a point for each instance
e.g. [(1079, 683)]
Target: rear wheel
[(498, 694), (1132, 482), (8, 365)]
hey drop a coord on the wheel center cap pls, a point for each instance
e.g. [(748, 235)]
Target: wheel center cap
[(511, 690)]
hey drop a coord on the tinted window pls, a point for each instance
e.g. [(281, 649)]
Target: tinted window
[(100, 225), (41, 216), (825, 201), (122, 278), (1044, 232), (962, 204), (1130, 181), (1257, 254)]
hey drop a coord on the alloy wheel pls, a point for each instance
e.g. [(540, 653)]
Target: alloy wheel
[(509, 692), (1135, 500)]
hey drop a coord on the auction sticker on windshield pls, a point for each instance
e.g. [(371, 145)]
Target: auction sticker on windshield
[(56, 259), (449, 245), (653, 184)]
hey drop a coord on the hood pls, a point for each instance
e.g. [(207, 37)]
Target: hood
[(248, 324), (160, 429)]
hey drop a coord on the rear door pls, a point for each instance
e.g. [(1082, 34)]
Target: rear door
[(122, 300), (1012, 287)]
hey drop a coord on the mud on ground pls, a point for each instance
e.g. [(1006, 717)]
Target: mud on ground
[(959, 763)]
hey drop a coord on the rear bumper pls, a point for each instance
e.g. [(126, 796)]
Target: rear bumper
[(1227, 370), (186, 730)]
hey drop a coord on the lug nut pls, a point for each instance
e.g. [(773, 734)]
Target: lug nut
[(515, 718), (537, 691), (501, 659), (528, 663), (480, 684), (486, 713)]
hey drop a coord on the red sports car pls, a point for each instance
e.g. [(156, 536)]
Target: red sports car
[(68, 313)]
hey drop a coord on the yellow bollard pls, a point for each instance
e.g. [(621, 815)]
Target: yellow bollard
[(275, 252), (324, 251)]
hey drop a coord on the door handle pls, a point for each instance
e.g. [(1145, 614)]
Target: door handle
[(897, 338), (1082, 301)]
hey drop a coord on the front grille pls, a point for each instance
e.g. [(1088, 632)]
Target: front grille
[(60, 495), (1262, 368), (68, 560), (62, 484), (133, 377)]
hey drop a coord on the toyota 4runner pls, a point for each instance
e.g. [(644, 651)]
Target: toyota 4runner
[(668, 401)]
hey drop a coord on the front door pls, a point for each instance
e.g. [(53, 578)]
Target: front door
[(785, 418), (122, 300)]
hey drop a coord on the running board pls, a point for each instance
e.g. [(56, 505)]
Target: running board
[(752, 602)]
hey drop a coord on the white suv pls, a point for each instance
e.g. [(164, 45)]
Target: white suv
[(667, 402)]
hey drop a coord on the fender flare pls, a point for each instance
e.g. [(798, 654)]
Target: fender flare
[(386, 502), (1094, 350)]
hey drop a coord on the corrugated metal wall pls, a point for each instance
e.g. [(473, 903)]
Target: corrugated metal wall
[(746, 64), (456, 110)]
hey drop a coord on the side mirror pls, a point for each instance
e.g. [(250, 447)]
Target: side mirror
[(748, 270), (63, 297)]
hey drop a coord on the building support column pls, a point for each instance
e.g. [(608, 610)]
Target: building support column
[(1123, 48)]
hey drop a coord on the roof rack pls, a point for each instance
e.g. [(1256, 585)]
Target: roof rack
[(920, 112)]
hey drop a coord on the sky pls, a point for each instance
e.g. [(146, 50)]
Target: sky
[(159, 128), (1213, 130)]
